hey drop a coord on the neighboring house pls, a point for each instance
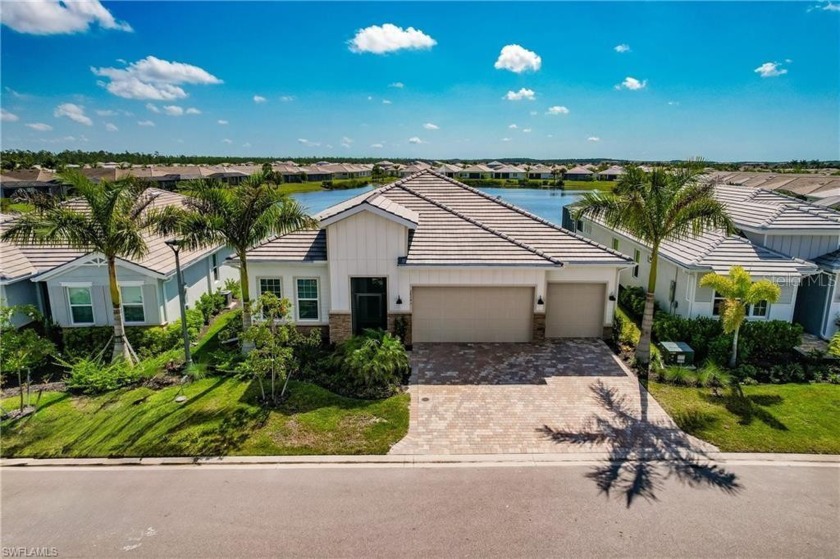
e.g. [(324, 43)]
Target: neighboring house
[(449, 170), (509, 172), (612, 173), (71, 287), (540, 172), (30, 181), (452, 263), (495, 164), (475, 172), (578, 174)]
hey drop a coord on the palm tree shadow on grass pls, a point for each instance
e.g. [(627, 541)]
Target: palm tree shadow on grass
[(643, 454), (750, 408)]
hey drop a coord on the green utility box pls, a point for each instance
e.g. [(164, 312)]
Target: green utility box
[(677, 353)]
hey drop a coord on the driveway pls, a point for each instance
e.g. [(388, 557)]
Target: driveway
[(570, 395)]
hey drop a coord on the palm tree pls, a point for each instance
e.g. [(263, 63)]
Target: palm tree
[(656, 207), (739, 292), (238, 216), (110, 221)]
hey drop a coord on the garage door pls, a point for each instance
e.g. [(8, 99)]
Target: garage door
[(471, 314), (575, 310)]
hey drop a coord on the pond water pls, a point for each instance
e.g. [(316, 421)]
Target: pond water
[(544, 202)]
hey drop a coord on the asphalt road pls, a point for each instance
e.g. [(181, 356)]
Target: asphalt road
[(466, 511)]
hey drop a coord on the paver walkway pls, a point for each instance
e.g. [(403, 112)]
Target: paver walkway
[(570, 395)]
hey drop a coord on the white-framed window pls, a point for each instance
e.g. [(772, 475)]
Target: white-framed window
[(759, 310), (132, 303), (308, 302), (271, 285), (214, 263), (717, 304), (81, 305), (637, 257)]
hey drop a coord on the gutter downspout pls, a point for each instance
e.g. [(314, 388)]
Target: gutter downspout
[(832, 279)]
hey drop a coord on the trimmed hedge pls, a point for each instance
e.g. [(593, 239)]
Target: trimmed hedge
[(633, 301)]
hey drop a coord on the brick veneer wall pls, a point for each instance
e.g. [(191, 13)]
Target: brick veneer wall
[(341, 327), (538, 334)]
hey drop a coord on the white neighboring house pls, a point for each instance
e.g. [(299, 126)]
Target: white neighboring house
[(71, 287), (452, 263)]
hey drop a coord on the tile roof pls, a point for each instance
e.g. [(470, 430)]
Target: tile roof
[(579, 171), (756, 208), (459, 225), (805, 184), (159, 258), (829, 261), (301, 246)]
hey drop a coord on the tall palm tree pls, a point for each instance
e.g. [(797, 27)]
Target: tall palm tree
[(240, 217), (110, 220), (655, 207), (739, 292)]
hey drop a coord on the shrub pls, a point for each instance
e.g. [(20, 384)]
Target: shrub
[(85, 343), (234, 287), (704, 335), (633, 301), (372, 365), (834, 345), (768, 341), (92, 376), (210, 304), (625, 331)]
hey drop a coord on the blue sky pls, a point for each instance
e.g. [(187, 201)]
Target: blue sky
[(726, 81)]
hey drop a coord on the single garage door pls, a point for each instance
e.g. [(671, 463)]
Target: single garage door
[(575, 310), (471, 314)]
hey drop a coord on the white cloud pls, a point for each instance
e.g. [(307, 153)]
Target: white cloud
[(246, 145), (222, 122), (398, 85), (632, 84), (346, 142), (370, 97), (145, 123), (827, 6), (524, 93), (16, 94), (674, 103), (513, 126), (106, 112), (152, 107), (770, 70), (431, 126), (227, 141), (6, 116), (415, 140), (533, 113), (40, 126), (505, 139), (173, 110), (54, 17), (287, 98), (153, 78), (308, 143), (526, 130), (622, 48), (389, 38), (517, 59), (593, 139), (111, 127), (259, 99), (192, 111), (557, 110), (386, 102), (377, 146), (74, 112)]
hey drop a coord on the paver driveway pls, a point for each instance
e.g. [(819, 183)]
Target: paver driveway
[(570, 395)]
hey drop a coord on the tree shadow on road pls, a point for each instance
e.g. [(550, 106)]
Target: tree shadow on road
[(643, 454)]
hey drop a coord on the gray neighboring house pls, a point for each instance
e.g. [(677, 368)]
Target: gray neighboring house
[(578, 173), (451, 262), (71, 287), (612, 173)]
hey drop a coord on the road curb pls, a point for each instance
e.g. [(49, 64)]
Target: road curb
[(408, 460)]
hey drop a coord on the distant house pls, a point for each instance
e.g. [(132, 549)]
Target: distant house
[(448, 262), (71, 287), (579, 173), (509, 172), (30, 181), (449, 170), (612, 173), (495, 164), (540, 172), (475, 172)]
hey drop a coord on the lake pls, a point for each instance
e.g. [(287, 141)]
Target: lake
[(544, 202)]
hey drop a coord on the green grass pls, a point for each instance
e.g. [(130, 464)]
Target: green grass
[(219, 417), (800, 418), (589, 185)]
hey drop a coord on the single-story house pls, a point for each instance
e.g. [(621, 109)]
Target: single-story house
[(540, 172), (71, 287), (612, 173), (449, 170), (475, 172), (509, 172), (578, 173), (447, 262)]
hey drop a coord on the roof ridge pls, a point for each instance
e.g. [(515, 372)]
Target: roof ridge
[(487, 228), (529, 214)]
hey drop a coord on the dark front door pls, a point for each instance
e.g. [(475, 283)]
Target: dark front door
[(369, 304)]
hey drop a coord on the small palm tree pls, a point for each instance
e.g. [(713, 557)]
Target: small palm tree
[(739, 292), (656, 207), (240, 217), (110, 221)]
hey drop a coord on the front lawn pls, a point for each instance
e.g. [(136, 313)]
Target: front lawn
[(605, 186), (219, 417), (800, 418)]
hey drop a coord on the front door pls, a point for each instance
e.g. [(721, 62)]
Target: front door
[(369, 304)]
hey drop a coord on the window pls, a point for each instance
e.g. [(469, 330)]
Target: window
[(214, 263), (307, 299), (81, 305), (637, 257), (615, 243), (717, 306), (271, 285), (132, 303), (759, 309)]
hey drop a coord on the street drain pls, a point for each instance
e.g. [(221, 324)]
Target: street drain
[(424, 399)]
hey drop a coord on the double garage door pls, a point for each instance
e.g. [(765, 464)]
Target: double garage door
[(504, 314)]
